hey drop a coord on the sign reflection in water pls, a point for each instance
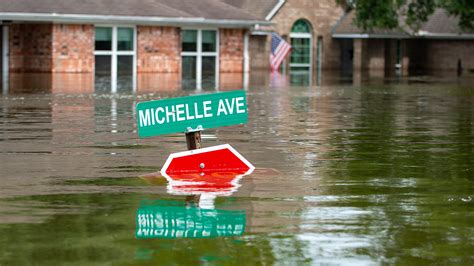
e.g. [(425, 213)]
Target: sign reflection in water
[(162, 219)]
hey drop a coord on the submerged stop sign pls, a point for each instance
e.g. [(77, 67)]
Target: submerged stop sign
[(208, 169)]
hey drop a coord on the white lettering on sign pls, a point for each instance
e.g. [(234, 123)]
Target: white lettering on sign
[(192, 111), (144, 118), (196, 111), (170, 113), (188, 117), (207, 108), (179, 112), (230, 106), (221, 108), (162, 120), (240, 105)]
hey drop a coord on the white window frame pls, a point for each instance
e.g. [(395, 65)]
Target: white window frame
[(5, 58), (114, 53), (303, 35), (199, 54)]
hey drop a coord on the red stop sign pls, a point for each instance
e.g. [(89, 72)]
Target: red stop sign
[(212, 169)]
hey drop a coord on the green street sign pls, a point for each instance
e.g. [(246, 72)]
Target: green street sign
[(191, 113)]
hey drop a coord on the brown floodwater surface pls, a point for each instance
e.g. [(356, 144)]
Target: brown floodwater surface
[(347, 173)]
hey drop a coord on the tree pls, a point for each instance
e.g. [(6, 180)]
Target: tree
[(387, 13)]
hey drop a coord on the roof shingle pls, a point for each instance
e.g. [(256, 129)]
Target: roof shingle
[(207, 9)]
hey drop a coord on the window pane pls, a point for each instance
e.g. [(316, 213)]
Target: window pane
[(301, 51), (189, 72), (103, 39), (189, 40), (103, 64), (209, 41), (301, 26), (125, 39), (124, 73), (209, 72)]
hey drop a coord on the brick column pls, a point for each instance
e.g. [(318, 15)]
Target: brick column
[(360, 53), (73, 48), (30, 48), (231, 49)]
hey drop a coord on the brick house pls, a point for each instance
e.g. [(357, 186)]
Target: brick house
[(106, 41), (150, 45), (439, 44), (305, 24), (324, 36)]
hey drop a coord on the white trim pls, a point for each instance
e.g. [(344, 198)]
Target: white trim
[(260, 33), (235, 181), (134, 20), (5, 58), (275, 10), (301, 35), (423, 35), (366, 36), (299, 65), (135, 59), (199, 60), (113, 71), (430, 35), (218, 58), (246, 52)]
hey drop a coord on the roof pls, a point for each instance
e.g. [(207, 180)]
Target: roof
[(258, 8), (140, 11), (442, 24), (346, 28), (439, 25)]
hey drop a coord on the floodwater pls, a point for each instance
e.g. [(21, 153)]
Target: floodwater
[(348, 172)]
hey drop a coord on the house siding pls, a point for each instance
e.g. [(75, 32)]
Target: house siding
[(322, 16), (72, 48), (158, 49), (231, 50), (30, 47)]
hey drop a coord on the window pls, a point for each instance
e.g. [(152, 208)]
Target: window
[(199, 59), (115, 59), (301, 54), (301, 45)]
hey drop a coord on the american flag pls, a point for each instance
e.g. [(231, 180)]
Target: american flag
[(280, 49)]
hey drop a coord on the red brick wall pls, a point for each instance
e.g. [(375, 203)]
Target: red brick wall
[(30, 47), (51, 48), (159, 49), (73, 48), (231, 57), (444, 54)]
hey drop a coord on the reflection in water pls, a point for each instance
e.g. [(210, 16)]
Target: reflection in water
[(100, 82), (301, 76), (161, 219)]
